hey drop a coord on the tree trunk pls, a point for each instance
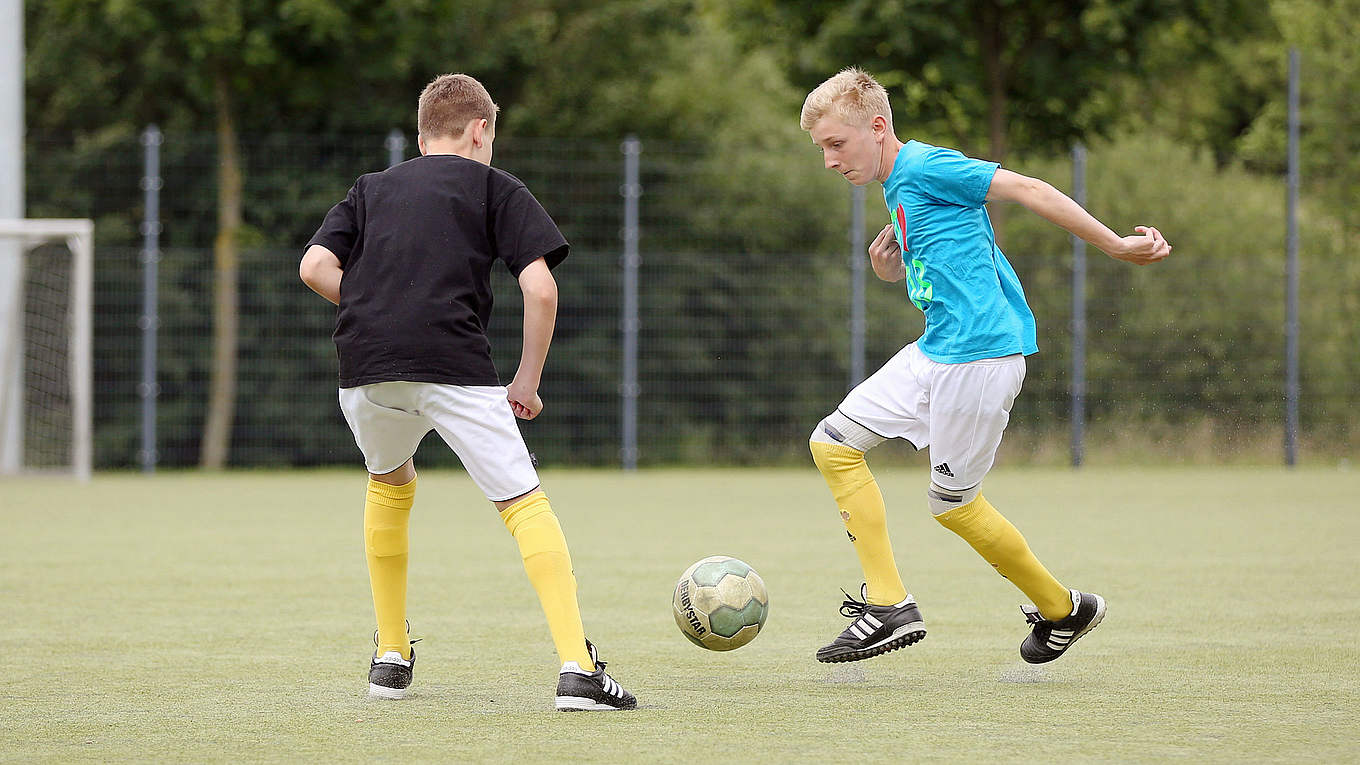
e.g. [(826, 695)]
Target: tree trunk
[(226, 309), (991, 43)]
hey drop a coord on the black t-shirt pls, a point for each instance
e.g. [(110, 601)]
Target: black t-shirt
[(416, 243)]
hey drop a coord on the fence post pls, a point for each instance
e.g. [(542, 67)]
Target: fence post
[(1078, 313), (396, 147), (1291, 326), (149, 322), (11, 253), (630, 324), (857, 278)]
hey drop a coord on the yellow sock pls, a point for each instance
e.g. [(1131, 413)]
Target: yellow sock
[(865, 518), (387, 518), (1001, 544), (548, 563)]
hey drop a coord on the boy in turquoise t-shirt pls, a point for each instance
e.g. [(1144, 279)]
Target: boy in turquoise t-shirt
[(951, 390)]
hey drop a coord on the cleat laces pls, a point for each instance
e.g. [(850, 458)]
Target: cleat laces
[(594, 656), (850, 607)]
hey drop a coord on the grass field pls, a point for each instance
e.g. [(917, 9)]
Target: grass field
[(194, 618)]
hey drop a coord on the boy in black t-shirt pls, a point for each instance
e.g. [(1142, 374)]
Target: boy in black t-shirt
[(407, 257)]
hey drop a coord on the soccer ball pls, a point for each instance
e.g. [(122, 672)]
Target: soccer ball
[(720, 603)]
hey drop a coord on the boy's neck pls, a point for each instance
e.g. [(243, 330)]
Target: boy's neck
[(458, 147), (891, 146)]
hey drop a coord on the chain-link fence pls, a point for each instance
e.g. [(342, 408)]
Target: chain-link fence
[(743, 307)]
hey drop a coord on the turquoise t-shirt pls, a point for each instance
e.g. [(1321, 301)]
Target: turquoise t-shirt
[(972, 299)]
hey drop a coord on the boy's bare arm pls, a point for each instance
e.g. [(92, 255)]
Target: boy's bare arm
[(540, 316), (321, 271), (1147, 247)]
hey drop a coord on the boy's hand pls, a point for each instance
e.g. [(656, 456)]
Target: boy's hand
[(1149, 247), (524, 400), (886, 257)]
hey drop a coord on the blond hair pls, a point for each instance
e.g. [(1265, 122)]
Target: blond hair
[(450, 102), (852, 95)]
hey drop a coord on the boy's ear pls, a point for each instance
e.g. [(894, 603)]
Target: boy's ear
[(420, 143), (478, 128)]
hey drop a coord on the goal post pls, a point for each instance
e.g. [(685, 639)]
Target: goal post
[(47, 346)]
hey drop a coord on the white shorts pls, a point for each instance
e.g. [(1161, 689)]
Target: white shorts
[(958, 410), (389, 420)]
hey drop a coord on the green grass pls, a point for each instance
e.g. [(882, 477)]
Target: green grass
[(195, 618)]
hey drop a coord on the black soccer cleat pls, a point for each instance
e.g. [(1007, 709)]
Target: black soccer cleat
[(1048, 640), (875, 629), (390, 675), (582, 691)]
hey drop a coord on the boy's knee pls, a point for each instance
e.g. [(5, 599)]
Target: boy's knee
[(943, 500), (834, 458), (838, 430)]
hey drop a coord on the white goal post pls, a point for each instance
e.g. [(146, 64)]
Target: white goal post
[(46, 347)]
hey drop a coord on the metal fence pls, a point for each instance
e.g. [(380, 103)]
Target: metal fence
[(685, 334)]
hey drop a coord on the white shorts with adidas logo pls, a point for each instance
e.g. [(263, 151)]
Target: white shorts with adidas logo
[(389, 419), (959, 411)]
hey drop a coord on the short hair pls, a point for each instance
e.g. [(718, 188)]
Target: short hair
[(450, 102), (851, 95)]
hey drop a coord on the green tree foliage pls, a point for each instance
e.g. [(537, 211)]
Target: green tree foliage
[(1199, 336), (1327, 35), (1234, 101), (743, 243), (986, 75)]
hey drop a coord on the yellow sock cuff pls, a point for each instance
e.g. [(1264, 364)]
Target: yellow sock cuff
[(840, 466), (387, 516), (393, 496), (532, 506)]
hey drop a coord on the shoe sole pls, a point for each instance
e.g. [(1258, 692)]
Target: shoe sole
[(383, 692), (907, 634), (583, 704), (1095, 621)]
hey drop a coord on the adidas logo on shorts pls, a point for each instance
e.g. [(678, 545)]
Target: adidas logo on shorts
[(943, 469)]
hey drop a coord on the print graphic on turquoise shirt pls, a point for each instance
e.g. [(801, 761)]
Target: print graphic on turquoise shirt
[(919, 289)]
